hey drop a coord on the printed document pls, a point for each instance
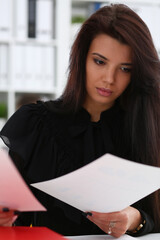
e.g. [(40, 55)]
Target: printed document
[(107, 184)]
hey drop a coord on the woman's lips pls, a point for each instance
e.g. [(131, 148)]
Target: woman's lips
[(105, 92)]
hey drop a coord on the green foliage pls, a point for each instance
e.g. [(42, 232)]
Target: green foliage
[(3, 110), (78, 19)]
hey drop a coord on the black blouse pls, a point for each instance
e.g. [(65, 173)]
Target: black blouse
[(46, 143)]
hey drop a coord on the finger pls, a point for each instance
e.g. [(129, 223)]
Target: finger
[(4, 221), (99, 218), (103, 222), (7, 214), (6, 217), (116, 231), (4, 209), (8, 223), (120, 217), (112, 216)]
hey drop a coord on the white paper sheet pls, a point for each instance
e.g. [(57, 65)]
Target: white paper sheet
[(101, 237), (14, 193), (153, 236), (106, 185)]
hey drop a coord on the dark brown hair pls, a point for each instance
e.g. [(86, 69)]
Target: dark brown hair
[(141, 100)]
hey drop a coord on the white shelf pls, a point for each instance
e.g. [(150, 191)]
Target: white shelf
[(150, 2), (46, 77), (149, 11), (33, 41)]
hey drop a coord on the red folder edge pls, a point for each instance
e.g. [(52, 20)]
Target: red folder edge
[(29, 233)]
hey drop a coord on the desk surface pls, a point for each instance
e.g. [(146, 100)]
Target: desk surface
[(154, 236)]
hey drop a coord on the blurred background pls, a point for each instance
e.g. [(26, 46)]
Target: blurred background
[(35, 41)]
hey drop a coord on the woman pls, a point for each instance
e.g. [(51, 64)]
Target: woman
[(110, 105)]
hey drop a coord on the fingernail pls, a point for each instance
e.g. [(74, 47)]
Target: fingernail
[(89, 214), (85, 214), (17, 212), (5, 209)]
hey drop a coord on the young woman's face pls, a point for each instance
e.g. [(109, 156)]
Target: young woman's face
[(108, 71)]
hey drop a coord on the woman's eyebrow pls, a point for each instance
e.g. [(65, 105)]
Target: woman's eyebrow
[(127, 64), (101, 56)]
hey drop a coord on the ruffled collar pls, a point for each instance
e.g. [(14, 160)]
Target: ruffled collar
[(74, 123), (84, 117)]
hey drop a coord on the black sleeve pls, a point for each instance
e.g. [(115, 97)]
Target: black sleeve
[(29, 139), (147, 227)]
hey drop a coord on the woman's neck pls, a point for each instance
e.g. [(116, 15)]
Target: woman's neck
[(95, 111), (95, 117)]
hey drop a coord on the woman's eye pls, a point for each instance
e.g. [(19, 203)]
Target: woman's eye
[(98, 61), (126, 69)]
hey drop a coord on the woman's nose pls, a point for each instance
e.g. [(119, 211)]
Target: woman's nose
[(109, 76)]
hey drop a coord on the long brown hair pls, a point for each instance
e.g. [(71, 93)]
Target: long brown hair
[(141, 100)]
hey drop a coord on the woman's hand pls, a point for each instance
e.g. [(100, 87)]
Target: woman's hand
[(7, 217), (117, 223)]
